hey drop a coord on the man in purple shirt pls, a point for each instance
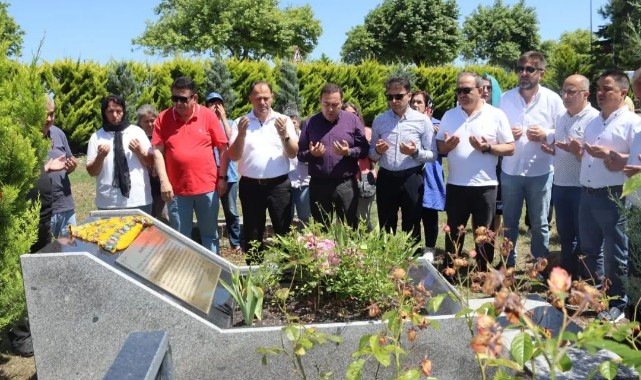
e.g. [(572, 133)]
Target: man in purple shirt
[(331, 142)]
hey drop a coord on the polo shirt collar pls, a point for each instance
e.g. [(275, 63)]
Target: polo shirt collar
[(177, 118)]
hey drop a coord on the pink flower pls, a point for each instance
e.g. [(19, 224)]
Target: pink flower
[(559, 281), (472, 253), (446, 229)]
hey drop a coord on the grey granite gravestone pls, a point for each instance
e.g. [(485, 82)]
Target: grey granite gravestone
[(82, 306)]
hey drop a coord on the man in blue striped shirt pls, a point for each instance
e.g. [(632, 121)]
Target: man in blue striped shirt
[(402, 142)]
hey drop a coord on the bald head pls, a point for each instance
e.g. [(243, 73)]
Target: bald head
[(576, 89)]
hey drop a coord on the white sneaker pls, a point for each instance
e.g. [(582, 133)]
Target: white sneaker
[(614, 315), (429, 254)]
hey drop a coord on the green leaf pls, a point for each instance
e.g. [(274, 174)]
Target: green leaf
[(412, 374), (354, 370), (435, 302), (292, 333), (299, 350), (503, 363), (564, 363), (608, 369), (631, 185), (522, 348), (501, 375)]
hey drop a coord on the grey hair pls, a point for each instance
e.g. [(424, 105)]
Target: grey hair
[(478, 80), (291, 110), (145, 110)]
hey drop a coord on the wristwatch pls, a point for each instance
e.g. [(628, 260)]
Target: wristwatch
[(488, 149), (225, 177), (415, 155), (285, 139)]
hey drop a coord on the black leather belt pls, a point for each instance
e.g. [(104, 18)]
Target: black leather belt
[(603, 190), (266, 181), (401, 173)]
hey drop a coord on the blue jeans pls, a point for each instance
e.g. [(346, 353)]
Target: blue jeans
[(60, 221), (603, 239), (300, 202), (230, 209), (181, 217), (537, 192), (566, 209)]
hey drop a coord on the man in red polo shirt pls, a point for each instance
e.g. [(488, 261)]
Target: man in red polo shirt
[(184, 139)]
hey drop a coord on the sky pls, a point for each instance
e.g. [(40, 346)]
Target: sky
[(103, 30)]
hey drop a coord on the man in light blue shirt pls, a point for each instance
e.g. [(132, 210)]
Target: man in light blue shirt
[(229, 200), (402, 142)]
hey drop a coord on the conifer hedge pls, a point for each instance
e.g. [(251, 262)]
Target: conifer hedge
[(79, 86)]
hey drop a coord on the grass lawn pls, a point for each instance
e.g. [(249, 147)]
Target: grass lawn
[(84, 191)]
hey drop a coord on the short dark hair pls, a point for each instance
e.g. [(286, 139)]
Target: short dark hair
[(184, 83), (429, 102), (533, 55), (620, 78), (398, 82), (258, 83), (112, 98), (331, 88)]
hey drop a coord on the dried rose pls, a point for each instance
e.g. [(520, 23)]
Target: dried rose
[(426, 367), (411, 334), (559, 281)]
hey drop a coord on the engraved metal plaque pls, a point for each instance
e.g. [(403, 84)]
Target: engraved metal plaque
[(172, 266)]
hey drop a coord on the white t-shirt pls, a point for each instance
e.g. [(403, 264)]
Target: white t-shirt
[(264, 154), (468, 166), (544, 110), (108, 196), (616, 133)]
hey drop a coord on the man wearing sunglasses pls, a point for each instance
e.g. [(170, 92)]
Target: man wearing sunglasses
[(532, 111), (184, 139), (473, 135), (402, 142)]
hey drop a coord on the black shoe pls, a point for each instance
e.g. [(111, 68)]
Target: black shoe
[(20, 339)]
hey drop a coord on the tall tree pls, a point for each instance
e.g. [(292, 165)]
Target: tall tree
[(218, 78), (621, 34), (288, 93), (243, 29), (23, 153), (10, 33), (570, 55), (498, 34), (121, 81), (407, 31)]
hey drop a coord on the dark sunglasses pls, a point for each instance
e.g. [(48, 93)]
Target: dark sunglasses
[(528, 69), (463, 90), (181, 99), (391, 97)]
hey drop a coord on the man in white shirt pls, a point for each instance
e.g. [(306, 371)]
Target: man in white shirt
[(532, 111), (263, 142), (402, 141), (473, 136), (607, 138), (567, 167)]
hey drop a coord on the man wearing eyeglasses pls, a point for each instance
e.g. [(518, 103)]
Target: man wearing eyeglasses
[(332, 142), (532, 111), (567, 168), (402, 142), (263, 142), (473, 135), (184, 138)]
